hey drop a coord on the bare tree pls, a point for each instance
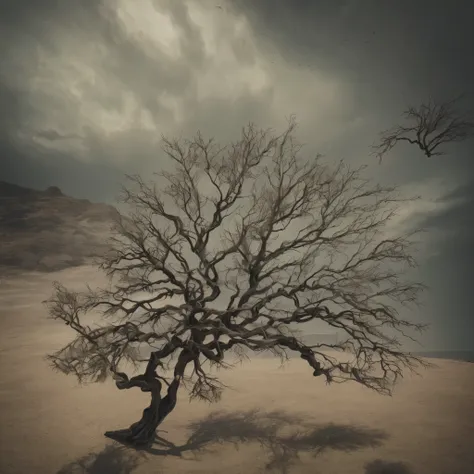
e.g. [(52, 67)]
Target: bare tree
[(240, 246), (429, 126)]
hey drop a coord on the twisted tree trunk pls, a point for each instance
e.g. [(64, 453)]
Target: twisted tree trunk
[(142, 433)]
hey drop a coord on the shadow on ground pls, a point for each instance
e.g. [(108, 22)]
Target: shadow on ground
[(114, 459), (283, 436), (387, 467)]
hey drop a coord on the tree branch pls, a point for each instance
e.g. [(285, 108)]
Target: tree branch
[(431, 125)]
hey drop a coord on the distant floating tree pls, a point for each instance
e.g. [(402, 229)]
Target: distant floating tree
[(429, 126)]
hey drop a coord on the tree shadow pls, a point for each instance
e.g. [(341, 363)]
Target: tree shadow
[(114, 459), (282, 435), (379, 466)]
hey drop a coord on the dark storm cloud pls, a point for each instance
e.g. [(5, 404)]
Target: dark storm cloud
[(29, 25), (53, 135), (458, 213), (125, 67), (450, 271), (71, 70), (393, 53)]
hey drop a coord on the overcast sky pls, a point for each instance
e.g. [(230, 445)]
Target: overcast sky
[(87, 87)]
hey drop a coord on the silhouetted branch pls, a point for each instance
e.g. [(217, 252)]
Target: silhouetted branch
[(428, 126)]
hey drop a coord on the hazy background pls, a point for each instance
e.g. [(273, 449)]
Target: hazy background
[(88, 87)]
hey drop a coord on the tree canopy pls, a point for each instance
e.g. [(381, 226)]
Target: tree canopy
[(235, 248)]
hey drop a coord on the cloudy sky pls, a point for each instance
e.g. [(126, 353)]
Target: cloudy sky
[(87, 87)]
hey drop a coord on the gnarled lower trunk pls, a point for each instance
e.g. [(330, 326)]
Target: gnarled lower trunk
[(142, 433)]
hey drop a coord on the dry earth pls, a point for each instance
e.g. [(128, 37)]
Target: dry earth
[(273, 419)]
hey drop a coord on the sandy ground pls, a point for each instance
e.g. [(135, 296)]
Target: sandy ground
[(273, 419)]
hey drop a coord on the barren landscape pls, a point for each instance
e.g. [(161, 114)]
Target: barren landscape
[(191, 191), (271, 419)]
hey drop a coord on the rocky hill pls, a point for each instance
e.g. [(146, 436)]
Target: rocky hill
[(48, 231)]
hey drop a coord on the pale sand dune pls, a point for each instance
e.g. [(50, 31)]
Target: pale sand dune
[(49, 425)]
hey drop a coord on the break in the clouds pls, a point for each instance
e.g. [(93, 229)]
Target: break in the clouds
[(88, 87)]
